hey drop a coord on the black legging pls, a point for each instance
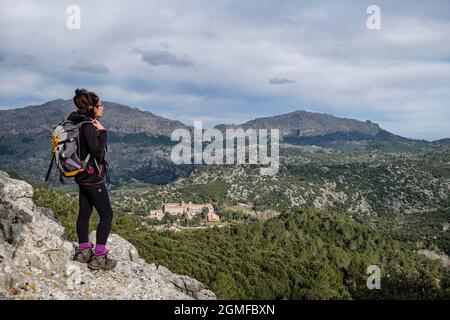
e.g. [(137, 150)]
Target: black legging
[(89, 196)]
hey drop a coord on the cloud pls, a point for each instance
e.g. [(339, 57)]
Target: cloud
[(319, 52), (18, 60), (158, 57), (91, 67), (278, 80)]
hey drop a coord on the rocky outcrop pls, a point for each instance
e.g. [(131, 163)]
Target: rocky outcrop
[(35, 259), (434, 255), (308, 124)]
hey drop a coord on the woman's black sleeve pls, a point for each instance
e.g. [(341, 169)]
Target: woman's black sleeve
[(96, 142)]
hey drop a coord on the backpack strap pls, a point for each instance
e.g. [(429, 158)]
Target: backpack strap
[(79, 124), (86, 160), (96, 165), (108, 179), (61, 179), (49, 169)]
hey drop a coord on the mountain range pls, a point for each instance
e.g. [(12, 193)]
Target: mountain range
[(127, 120), (118, 118), (308, 124), (382, 187), (122, 119), (140, 146)]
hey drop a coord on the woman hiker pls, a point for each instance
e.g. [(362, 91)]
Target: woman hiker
[(93, 191)]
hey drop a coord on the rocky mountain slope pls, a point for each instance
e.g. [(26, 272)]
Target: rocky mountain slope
[(405, 194), (138, 142), (35, 260), (118, 118), (304, 123)]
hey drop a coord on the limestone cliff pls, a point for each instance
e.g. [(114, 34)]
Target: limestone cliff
[(35, 259)]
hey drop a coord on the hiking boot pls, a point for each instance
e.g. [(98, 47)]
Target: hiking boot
[(83, 256), (102, 262)]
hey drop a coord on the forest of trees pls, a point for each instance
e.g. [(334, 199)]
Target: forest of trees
[(304, 254)]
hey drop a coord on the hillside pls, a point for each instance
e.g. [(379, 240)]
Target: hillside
[(407, 194), (301, 254), (309, 124), (347, 194), (139, 144), (118, 118)]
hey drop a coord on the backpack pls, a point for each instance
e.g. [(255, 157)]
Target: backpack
[(65, 140)]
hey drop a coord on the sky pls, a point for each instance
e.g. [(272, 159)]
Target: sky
[(232, 61)]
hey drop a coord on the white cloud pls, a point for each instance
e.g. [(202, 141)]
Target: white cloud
[(156, 57), (279, 80), (235, 51), (88, 66)]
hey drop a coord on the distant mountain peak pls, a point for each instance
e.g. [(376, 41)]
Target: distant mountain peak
[(307, 123), (118, 118)]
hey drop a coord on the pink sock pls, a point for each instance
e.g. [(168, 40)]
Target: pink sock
[(101, 249), (85, 245)]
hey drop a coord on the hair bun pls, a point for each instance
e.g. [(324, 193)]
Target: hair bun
[(79, 91)]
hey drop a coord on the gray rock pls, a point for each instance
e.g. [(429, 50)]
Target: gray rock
[(6, 231), (14, 189), (185, 284), (122, 248), (35, 260)]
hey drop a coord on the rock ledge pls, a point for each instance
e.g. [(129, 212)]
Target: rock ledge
[(35, 259)]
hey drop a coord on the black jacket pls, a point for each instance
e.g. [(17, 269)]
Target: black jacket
[(92, 141)]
